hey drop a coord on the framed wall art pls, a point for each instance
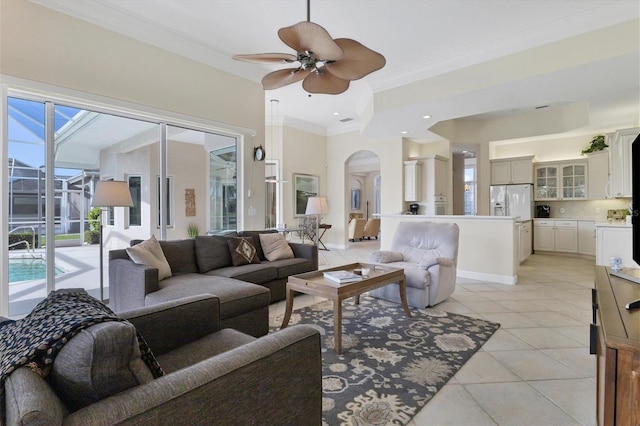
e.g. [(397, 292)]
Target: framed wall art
[(355, 199), (304, 186)]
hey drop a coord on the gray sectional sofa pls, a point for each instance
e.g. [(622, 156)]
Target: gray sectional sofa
[(203, 266), (213, 375)]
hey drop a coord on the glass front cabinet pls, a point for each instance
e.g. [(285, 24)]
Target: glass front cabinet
[(561, 181), (546, 182)]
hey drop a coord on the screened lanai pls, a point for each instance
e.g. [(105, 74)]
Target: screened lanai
[(81, 146)]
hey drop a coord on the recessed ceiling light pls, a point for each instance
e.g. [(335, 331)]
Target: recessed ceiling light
[(426, 116), (336, 113), (404, 132)]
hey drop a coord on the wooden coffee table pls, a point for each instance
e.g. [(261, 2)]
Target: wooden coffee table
[(315, 284)]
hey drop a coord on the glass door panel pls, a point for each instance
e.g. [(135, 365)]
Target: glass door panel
[(92, 146), (26, 173)]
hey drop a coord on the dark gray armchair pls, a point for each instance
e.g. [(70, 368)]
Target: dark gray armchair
[(213, 376)]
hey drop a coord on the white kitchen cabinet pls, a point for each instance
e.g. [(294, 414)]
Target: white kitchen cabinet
[(544, 235), (526, 236), (556, 235), (614, 241), (566, 236), (412, 180), (505, 171), (587, 237), (432, 176), (598, 171), (562, 180), (620, 152)]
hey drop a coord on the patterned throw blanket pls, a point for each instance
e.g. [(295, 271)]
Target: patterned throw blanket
[(36, 339)]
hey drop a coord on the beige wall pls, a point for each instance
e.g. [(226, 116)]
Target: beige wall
[(39, 45), (339, 149), (304, 153)]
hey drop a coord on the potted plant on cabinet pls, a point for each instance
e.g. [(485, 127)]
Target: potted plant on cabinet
[(597, 144)]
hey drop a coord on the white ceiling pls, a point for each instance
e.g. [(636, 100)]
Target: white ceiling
[(421, 40)]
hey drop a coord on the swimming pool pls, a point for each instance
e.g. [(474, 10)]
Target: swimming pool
[(29, 270)]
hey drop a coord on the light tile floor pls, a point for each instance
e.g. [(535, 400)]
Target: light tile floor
[(536, 369)]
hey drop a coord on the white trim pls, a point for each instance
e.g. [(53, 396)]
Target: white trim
[(4, 207), (481, 276)]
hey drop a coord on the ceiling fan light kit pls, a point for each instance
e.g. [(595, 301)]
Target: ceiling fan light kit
[(326, 65)]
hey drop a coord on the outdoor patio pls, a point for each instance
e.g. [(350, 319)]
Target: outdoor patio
[(80, 267)]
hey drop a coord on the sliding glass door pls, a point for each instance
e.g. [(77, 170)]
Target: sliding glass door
[(56, 155)]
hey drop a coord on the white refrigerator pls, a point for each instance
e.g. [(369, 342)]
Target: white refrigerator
[(512, 200)]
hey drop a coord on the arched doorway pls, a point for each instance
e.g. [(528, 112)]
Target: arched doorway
[(362, 185)]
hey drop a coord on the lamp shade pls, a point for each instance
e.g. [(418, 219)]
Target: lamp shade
[(317, 205), (112, 193)]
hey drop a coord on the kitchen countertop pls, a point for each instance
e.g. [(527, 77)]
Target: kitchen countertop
[(614, 224)]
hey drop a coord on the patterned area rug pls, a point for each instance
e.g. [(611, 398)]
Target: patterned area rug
[(391, 365)]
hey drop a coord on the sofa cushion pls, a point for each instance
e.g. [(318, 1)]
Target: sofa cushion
[(100, 361), (181, 255), (242, 250), (212, 252), (150, 253), (236, 297), (287, 267), (253, 273), (275, 246)]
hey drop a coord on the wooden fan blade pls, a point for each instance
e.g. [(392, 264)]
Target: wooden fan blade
[(280, 78), (308, 36), (357, 61), (267, 58), (324, 83)]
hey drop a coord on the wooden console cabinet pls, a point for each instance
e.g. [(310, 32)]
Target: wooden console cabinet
[(617, 349)]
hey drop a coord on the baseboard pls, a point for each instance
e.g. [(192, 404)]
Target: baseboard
[(493, 278)]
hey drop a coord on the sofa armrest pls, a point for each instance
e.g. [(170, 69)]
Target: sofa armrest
[(385, 256), (246, 385), (170, 325), (129, 283), (306, 251)]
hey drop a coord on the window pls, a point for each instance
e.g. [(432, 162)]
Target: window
[(470, 186), (168, 209), (222, 183), (377, 183), (135, 213)]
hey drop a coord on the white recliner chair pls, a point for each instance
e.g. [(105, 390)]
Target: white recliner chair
[(428, 252)]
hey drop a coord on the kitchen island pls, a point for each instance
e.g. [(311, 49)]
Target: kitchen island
[(488, 247)]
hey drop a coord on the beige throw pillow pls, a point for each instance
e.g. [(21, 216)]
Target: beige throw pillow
[(275, 246), (150, 253)]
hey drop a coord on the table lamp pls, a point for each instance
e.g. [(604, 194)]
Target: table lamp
[(317, 206)]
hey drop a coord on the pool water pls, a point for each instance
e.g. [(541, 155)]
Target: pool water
[(28, 270)]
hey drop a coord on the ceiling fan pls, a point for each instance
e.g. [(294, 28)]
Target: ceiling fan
[(325, 65)]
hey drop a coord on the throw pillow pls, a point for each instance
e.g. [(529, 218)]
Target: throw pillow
[(150, 253), (275, 247), (242, 251)]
